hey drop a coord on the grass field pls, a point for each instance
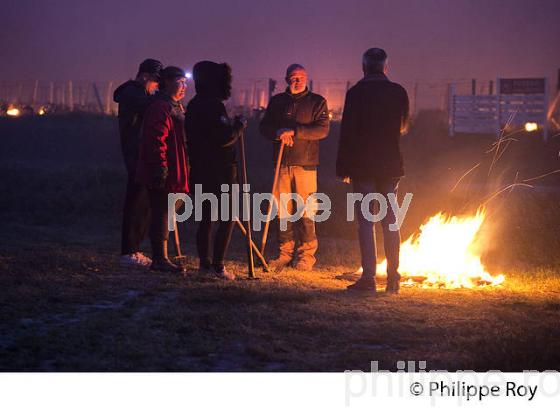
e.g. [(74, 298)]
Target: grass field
[(67, 306)]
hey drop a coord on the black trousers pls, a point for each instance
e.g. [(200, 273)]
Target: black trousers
[(136, 216), (159, 230), (222, 237), (204, 234)]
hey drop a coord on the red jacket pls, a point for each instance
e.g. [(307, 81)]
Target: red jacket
[(162, 145)]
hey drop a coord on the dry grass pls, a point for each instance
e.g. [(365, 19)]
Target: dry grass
[(70, 307), (67, 306)]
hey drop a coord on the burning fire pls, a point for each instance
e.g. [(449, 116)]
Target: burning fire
[(531, 126), (13, 112), (444, 254)]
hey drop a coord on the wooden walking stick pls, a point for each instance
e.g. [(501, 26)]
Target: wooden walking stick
[(255, 248), (274, 186), (180, 257), (176, 238), (246, 206)]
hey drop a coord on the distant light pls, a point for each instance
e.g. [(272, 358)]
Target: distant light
[(531, 126), (188, 75), (41, 111), (13, 112)]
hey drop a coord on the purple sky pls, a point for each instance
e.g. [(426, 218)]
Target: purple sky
[(427, 40)]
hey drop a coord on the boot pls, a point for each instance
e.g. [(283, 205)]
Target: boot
[(160, 260), (393, 282), (306, 256), (365, 284), (285, 256)]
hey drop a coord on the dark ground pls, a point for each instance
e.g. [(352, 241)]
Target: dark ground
[(66, 305)]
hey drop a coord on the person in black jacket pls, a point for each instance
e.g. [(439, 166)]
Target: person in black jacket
[(133, 98), (211, 140), (374, 117), (299, 119)]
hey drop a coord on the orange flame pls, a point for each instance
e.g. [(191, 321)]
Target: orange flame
[(445, 254), (531, 126), (13, 112)]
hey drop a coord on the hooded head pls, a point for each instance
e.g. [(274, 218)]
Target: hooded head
[(212, 79)]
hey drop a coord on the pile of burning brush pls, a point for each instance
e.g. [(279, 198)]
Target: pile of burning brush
[(16, 110), (446, 251)]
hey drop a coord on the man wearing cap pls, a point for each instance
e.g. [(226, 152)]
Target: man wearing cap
[(133, 98), (369, 156), (162, 161), (299, 119)]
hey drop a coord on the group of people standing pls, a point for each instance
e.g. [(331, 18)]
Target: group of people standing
[(168, 148), (160, 159)]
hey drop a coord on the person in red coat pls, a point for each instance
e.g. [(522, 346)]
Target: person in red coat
[(162, 164)]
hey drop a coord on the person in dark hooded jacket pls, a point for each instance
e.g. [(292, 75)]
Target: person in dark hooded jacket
[(211, 140), (133, 98)]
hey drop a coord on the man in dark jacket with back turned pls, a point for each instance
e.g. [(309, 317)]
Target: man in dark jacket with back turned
[(299, 119), (375, 115), (133, 98)]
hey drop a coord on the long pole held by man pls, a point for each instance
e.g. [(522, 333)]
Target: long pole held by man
[(253, 245), (246, 206), (272, 198)]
